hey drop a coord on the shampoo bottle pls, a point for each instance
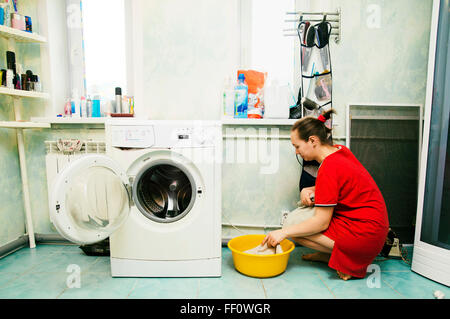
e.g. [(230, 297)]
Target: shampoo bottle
[(241, 98), (228, 99)]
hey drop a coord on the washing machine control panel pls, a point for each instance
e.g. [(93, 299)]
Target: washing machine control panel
[(163, 136), (134, 136), (194, 136)]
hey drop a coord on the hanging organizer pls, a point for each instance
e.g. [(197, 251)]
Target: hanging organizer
[(315, 96), (314, 31)]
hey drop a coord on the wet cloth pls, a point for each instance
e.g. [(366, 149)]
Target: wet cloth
[(264, 250), (298, 215)]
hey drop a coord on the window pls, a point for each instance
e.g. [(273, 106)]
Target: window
[(104, 46), (264, 46)]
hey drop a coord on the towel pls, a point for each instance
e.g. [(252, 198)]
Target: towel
[(298, 215), (264, 250)]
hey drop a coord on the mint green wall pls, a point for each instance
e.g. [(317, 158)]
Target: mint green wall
[(188, 51), (12, 218), (378, 65)]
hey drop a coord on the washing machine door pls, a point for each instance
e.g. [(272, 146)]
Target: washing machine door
[(90, 199)]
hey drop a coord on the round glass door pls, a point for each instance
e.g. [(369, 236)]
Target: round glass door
[(164, 191), (91, 200)]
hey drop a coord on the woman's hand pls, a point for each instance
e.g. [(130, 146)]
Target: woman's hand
[(274, 237), (306, 194)]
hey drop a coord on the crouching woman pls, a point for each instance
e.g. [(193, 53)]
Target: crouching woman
[(350, 221)]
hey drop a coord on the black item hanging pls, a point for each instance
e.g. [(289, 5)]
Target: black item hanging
[(314, 51)]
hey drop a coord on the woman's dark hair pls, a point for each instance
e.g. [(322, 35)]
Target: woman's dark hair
[(309, 126)]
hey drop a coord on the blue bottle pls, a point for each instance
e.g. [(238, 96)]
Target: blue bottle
[(241, 98), (96, 106)]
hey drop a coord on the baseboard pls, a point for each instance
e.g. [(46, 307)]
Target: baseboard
[(13, 246)]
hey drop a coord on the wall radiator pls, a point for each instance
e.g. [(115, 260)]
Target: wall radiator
[(56, 160)]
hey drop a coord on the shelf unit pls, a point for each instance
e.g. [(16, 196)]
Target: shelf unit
[(258, 121), (65, 120), (22, 125), (21, 36), (13, 36)]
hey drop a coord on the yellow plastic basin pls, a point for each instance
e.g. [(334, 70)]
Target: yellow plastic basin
[(260, 266)]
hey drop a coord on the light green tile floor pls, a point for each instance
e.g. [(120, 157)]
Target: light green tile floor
[(42, 273)]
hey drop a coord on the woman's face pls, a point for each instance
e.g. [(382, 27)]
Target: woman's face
[(303, 148)]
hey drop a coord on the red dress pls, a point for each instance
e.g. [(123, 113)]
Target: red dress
[(359, 224)]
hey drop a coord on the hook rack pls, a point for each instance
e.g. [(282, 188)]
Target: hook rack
[(334, 18)]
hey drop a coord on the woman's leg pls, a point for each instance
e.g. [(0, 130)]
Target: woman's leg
[(318, 242), (324, 245)]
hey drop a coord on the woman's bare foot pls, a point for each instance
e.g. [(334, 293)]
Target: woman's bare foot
[(319, 256), (343, 276)]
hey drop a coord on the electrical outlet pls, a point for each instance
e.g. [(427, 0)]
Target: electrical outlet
[(284, 215)]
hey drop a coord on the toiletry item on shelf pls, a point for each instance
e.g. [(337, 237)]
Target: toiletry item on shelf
[(11, 61), (241, 98), (88, 107), (132, 105), (118, 100), (255, 81), (76, 111), (14, 3), (37, 83), (2, 15), (3, 77), (125, 105), (23, 79), (10, 79), (7, 14), (276, 101), (28, 24), (17, 21), (68, 109), (109, 108), (96, 106), (83, 107), (228, 99), (72, 107), (17, 82)]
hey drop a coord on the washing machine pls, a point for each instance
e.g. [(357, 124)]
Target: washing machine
[(156, 194)]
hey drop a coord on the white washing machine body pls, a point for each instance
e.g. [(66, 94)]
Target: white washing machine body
[(156, 195)]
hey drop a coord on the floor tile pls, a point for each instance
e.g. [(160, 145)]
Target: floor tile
[(42, 273), (296, 284), (100, 286), (60, 262), (165, 288), (34, 285), (232, 284), (413, 285), (23, 261)]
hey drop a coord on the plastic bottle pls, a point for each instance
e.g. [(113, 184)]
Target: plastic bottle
[(228, 99), (83, 107), (68, 109), (89, 107), (241, 98), (96, 106)]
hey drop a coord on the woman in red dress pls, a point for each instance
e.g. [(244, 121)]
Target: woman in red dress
[(350, 223)]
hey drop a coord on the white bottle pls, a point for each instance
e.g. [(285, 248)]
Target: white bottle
[(228, 99), (83, 107), (9, 79)]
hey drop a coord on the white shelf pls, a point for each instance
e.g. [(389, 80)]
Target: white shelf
[(259, 121), (18, 124), (23, 93), (21, 36), (69, 120)]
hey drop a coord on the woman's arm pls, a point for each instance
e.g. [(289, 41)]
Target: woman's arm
[(316, 224), (305, 195)]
